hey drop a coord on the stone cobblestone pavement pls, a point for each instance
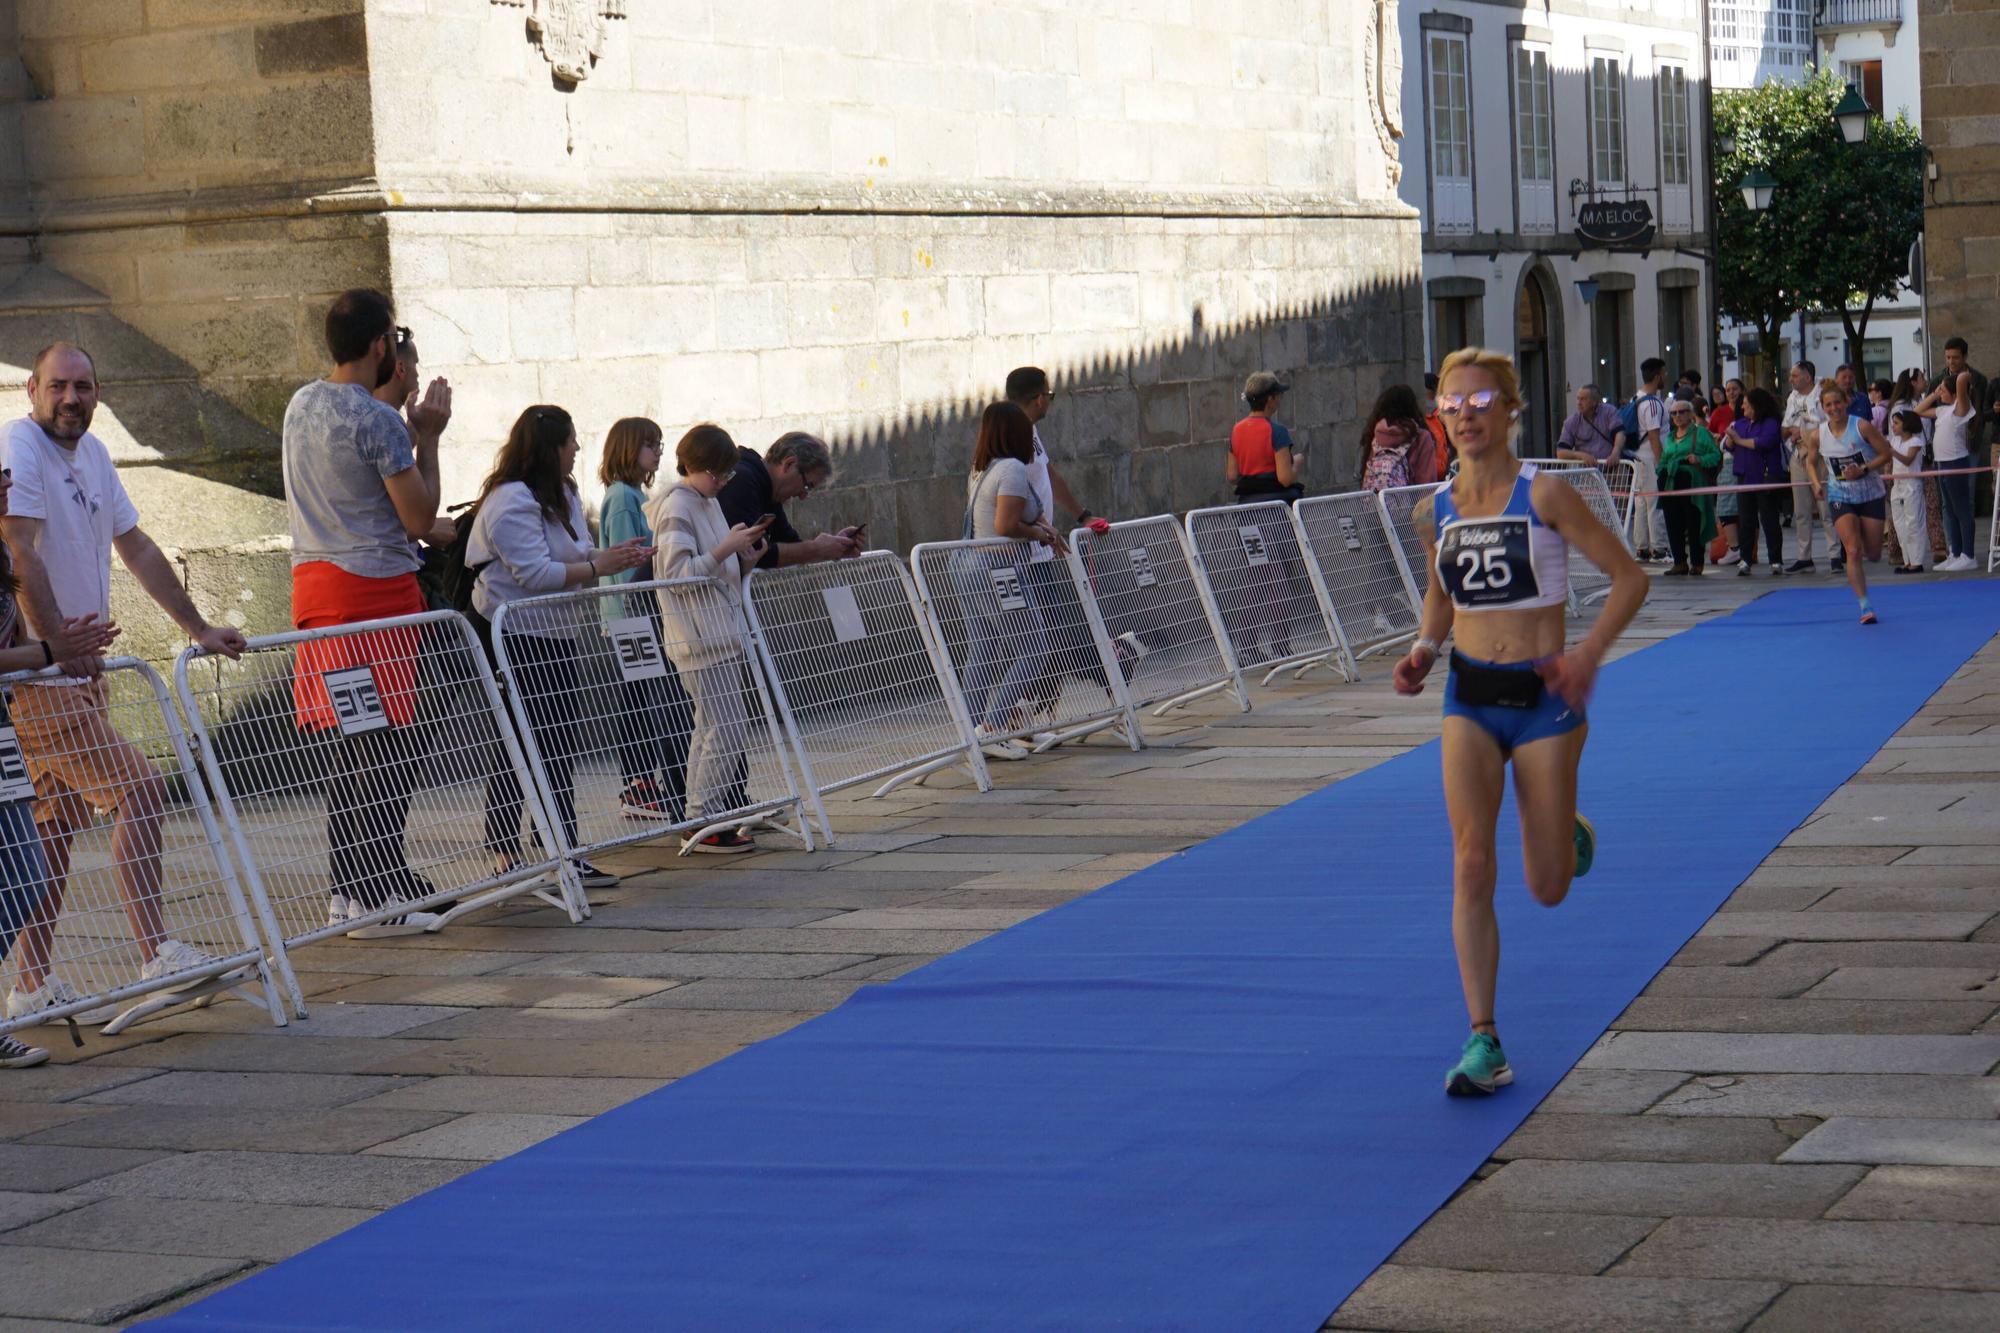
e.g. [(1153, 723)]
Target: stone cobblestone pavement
[(1794, 1127)]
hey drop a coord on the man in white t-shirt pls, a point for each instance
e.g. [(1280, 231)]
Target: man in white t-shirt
[(1803, 418), (1648, 533), (68, 512), (1072, 650)]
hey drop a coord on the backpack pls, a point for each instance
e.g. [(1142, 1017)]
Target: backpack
[(1628, 418), (1386, 468), (456, 578)]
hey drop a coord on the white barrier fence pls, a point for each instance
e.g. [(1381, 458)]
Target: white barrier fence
[(865, 692), (1249, 560), (1165, 631), (1399, 507), (115, 885), (1030, 652), (353, 767), (1588, 583), (1367, 583), (643, 713)]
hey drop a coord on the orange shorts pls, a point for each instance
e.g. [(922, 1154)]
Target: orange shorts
[(76, 757), (324, 594)]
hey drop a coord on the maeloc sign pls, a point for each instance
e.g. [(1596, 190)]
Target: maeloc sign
[(1615, 224)]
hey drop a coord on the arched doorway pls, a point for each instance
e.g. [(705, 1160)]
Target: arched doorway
[(1538, 352)]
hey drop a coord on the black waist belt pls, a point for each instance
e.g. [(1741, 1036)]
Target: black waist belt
[(1483, 686)]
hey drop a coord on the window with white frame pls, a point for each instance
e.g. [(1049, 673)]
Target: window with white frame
[(1607, 121), (1676, 150), (1534, 139), (1451, 134)]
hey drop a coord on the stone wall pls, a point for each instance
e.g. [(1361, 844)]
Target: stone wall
[(176, 153), (851, 217), (1960, 60)]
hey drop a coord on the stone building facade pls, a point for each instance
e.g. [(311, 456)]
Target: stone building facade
[(852, 218), (1960, 62)]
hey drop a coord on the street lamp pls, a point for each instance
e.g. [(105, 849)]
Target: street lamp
[(1758, 187), (1853, 115)]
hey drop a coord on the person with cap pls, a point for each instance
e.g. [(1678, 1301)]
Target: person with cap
[(1260, 450)]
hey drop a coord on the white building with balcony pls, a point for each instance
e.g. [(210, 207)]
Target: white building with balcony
[(1871, 44), (1523, 114)]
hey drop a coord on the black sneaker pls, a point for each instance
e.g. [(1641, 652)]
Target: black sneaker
[(593, 877), (1839, 566), (1799, 567), (19, 1055)]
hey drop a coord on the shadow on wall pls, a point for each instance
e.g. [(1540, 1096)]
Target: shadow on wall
[(1146, 430)]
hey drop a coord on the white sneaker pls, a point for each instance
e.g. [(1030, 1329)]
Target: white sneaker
[(1735, 557), (170, 958), (54, 992), (337, 908), (409, 923), (998, 745), (1958, 564)]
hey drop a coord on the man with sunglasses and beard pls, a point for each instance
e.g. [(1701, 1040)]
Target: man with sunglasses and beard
[(361, 485)]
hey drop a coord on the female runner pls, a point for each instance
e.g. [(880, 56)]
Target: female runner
[(1498, 536), (1855, 454)]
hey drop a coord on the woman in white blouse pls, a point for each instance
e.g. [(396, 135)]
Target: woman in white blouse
[(530, 538)]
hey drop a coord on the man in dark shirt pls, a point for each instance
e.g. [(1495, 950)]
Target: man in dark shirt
[(796, 464)]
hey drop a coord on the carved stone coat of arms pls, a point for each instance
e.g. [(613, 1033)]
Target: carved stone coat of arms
[(572, 33)]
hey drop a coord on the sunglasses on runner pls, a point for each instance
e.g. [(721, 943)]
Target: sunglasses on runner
[(1478, 403)]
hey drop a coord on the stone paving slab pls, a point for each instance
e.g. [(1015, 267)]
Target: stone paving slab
[(520, 1095), (1908, 1141), (1925, 1194), (1951, 1255), (266, 1232), (1794, 1053), (485, 1136), (1815, 1309), (310, 1180), (1739, 1014), (1578, 1243), (1611, 1091), (1848, 925), (48, 1168), (1647, 1138), (1664, 1189), (19, 1121), (1424, 1300), (1908, 983), (691, 966), (43, 1283), (188, 1128), (1826, 1095)]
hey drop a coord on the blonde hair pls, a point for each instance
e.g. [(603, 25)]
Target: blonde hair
[(1833, 387), (628, 436), (1497, 364)]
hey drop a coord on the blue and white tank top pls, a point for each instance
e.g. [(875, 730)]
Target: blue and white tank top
[(1510, 561), (1841, 451)]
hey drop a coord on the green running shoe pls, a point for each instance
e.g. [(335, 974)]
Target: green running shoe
[(1481, 1068), (1586, 845)]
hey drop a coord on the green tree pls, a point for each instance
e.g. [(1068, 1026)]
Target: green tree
[(1837, 236)]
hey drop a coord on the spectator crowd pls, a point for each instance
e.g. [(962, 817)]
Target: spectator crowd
[(372, 540)]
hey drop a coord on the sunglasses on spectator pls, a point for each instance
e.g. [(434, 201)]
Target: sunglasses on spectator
[(1477, 403)]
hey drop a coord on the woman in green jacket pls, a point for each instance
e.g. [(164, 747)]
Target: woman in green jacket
[(1689, 457)]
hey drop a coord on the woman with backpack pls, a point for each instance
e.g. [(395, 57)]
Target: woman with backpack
[(1397, 448), (529, 538), (656, 714)]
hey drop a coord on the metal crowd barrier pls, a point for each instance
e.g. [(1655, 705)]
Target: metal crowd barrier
[(1399, 507), (114, 883), (1249, 560), (1362, 572), (1619, 477), (643, 713), (353, 766), (1993, 534), (1588, 583), (1164, 629), (1031, 655), (863, 690)]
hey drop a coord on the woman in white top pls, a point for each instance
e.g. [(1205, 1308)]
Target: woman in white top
[(1951, 406), (1906, 489), (703, 639), (1498, 535), (528, 538)]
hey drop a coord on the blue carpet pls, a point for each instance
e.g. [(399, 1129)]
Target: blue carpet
[(1205, 1097)]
